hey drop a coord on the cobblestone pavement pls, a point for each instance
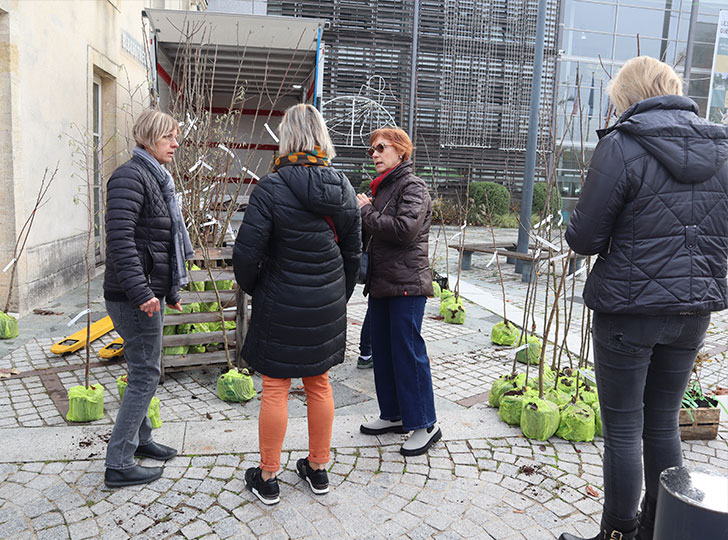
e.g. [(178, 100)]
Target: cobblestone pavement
[(479, 482)]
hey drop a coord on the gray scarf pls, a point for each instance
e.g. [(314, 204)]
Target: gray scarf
[(181, 245)]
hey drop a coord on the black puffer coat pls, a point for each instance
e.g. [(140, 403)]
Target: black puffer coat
[(655, 209), (398, 222), (138, 237), (286, 257)]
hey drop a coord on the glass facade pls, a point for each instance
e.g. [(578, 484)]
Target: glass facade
[(596, 38)]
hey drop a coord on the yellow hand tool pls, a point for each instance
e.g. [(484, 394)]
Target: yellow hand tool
[(77, 341), (113, 349)]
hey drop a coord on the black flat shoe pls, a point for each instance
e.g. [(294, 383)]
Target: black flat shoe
[(155, 451), (131, 477)]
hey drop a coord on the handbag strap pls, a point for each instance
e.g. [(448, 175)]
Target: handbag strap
[(331, 224)]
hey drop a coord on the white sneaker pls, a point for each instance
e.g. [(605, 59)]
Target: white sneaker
[(421, 440), (379, 426)]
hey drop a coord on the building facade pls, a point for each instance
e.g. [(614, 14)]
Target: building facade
[(596, 37), (72, 78)]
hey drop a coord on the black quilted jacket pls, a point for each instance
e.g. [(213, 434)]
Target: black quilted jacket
[(655, 209), (138, 237), (398, 222), (300, 279)]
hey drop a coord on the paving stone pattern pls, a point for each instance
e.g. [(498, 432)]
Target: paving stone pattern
[(488, 487)]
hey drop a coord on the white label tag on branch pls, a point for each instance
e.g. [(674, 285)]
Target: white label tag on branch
[(211, 222), (561, 220), (11, 263), (492, 260), (226, 149), (465, 224), (579, 271), (588, 375), (547, 219), (270, 131), (547, 243), (251, 173), (559, 257), (77, 317), (522, 347), (194, 167), (206, 166)]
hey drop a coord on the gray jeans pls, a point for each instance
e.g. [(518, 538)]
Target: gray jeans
[(643, 365), (143, 353)]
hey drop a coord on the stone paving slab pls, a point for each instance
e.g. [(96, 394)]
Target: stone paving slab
[(483, 480)]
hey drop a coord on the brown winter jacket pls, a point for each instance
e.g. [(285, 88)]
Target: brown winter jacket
[(398, 223)]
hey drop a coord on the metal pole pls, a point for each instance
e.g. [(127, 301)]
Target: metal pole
[(316, 70), (691, 43), (532, 140), (413, 76)]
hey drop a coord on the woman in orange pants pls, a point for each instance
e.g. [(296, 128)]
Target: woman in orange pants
[(297, 254)]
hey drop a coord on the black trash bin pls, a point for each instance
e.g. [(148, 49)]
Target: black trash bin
[(692, 504)]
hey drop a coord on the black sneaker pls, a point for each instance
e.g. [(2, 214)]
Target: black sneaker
[(318, 480), (267, 491), (365, 362)]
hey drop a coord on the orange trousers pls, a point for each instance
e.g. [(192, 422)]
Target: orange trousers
[(273, 419)]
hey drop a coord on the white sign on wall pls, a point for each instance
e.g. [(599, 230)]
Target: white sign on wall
[(133, 48)]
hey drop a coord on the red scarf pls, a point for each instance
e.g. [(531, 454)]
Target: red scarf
[(378, 180)]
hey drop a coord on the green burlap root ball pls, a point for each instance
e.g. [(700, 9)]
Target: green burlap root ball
[(548, 379), (153, 413), (455, 312), (512, 403), (557, 397), (597, 419), (236, 386), (504, 333), (197, 286), (8, 326), (539, 419), (446, 298), (502, 384), (532, 354), (85, 404), (567, 385), (588, 394), (577, 422), (436, 291)]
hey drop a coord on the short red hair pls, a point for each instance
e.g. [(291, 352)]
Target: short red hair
[(399, 139)]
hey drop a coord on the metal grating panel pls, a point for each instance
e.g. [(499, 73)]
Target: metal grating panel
[(474, 69)]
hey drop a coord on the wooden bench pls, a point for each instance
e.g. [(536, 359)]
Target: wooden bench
[(508, 250)]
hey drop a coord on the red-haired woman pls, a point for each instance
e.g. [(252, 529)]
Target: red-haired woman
[(397, 219)]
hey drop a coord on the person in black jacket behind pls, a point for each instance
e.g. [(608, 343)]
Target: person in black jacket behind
[(146, 248), (655, 209), (297, 254)]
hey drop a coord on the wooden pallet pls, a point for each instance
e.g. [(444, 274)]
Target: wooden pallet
[(702, 426), (235, 299)]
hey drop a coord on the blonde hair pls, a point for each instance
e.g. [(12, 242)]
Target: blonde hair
[(151, 126), (301, 129), (640, 78)]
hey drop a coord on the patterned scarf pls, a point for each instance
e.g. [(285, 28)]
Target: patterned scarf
[(305, 159), (181, 245)]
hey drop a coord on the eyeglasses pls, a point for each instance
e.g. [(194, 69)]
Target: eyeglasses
[(170, 137), (378, 148)]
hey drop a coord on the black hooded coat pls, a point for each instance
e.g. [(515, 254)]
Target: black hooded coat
[(655, 209), (286, 257)]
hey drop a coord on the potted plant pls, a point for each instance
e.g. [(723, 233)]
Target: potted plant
[(700, 413)]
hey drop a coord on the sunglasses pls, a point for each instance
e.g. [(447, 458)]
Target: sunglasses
[(378, 148)]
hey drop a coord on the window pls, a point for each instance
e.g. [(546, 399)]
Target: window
[(97, 203)]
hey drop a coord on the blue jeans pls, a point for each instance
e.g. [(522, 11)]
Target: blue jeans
[(643, 366), (143, 354), (365, 338), (401, 367)]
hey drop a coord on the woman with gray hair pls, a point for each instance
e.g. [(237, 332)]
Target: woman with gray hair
[(297, 254), (654, 209), (146, 248)]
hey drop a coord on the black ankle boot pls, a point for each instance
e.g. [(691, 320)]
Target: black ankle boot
[(646, 518), (612, 529)]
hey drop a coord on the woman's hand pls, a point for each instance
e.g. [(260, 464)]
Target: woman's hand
[(150, 306), (176, 306), (363, 200)]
